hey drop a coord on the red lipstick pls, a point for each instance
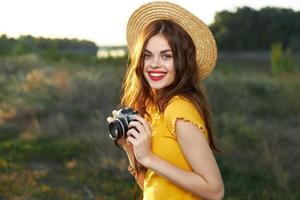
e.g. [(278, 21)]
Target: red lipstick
[(156, 75)]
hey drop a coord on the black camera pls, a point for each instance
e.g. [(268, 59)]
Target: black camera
[(119, 126)]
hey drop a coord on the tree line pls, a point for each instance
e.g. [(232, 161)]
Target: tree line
[(52, 49), (247, 29)]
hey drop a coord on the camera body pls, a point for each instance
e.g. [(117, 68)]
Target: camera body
[(119, 126)]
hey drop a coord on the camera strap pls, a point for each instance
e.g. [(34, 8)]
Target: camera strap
[(116, 143)]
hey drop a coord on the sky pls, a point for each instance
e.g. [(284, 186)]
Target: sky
[(101, 21)]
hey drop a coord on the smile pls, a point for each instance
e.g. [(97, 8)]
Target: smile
[(156, 76)]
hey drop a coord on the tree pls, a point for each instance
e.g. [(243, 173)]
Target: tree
[(249, 29)]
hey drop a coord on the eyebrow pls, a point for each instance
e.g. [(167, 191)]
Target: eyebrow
[(162, 52)]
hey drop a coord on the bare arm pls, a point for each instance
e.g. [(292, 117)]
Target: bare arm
[(140, 176), (205, 180), (130, 155)]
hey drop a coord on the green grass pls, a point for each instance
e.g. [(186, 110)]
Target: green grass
[(58, 168), (54, 140)]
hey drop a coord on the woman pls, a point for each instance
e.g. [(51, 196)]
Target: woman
[(170, 143)]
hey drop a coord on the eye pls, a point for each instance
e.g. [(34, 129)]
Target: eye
[(167, 56), (147, 56)]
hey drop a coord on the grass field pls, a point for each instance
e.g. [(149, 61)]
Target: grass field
[(54, 140)]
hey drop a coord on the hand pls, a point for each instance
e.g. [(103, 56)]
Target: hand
[(139, 135)]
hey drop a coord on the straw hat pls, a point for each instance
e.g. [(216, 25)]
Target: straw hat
[(206, 49)]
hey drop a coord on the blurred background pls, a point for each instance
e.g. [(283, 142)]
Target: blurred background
[(61, 68)]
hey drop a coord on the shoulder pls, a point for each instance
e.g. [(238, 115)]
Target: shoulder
[(179, 104), (182, 108)]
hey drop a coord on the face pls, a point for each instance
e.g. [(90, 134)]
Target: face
[(159, 64)]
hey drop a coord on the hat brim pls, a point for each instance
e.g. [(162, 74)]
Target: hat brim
[(206, 49)]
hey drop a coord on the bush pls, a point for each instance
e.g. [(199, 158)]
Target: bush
[(281, 62)]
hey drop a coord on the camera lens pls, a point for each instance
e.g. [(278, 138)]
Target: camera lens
[(117, 129)]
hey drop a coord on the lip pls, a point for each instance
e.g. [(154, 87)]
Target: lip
[(156, 75)]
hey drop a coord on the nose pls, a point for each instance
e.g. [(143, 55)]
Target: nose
[(155, 63)]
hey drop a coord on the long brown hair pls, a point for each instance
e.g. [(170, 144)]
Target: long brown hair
[(137, 93)]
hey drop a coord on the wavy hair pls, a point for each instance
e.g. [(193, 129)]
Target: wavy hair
[(137, 93)]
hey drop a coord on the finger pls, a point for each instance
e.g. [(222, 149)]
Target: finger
[(145, 124), (131, 140), (137, 125), (114, 112), (133, 133), (109, 119)]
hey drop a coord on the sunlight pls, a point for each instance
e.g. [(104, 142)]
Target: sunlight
[(115, 53), (103, 23)]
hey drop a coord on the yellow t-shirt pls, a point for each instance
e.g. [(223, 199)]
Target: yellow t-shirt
[(165, 146)]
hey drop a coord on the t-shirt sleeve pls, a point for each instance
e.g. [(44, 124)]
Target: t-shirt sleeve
[(180, 108)]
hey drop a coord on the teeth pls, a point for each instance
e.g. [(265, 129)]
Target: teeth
[(157, 74)]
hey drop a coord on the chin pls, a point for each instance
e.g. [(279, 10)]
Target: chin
[(156, 87), (159, 87)]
